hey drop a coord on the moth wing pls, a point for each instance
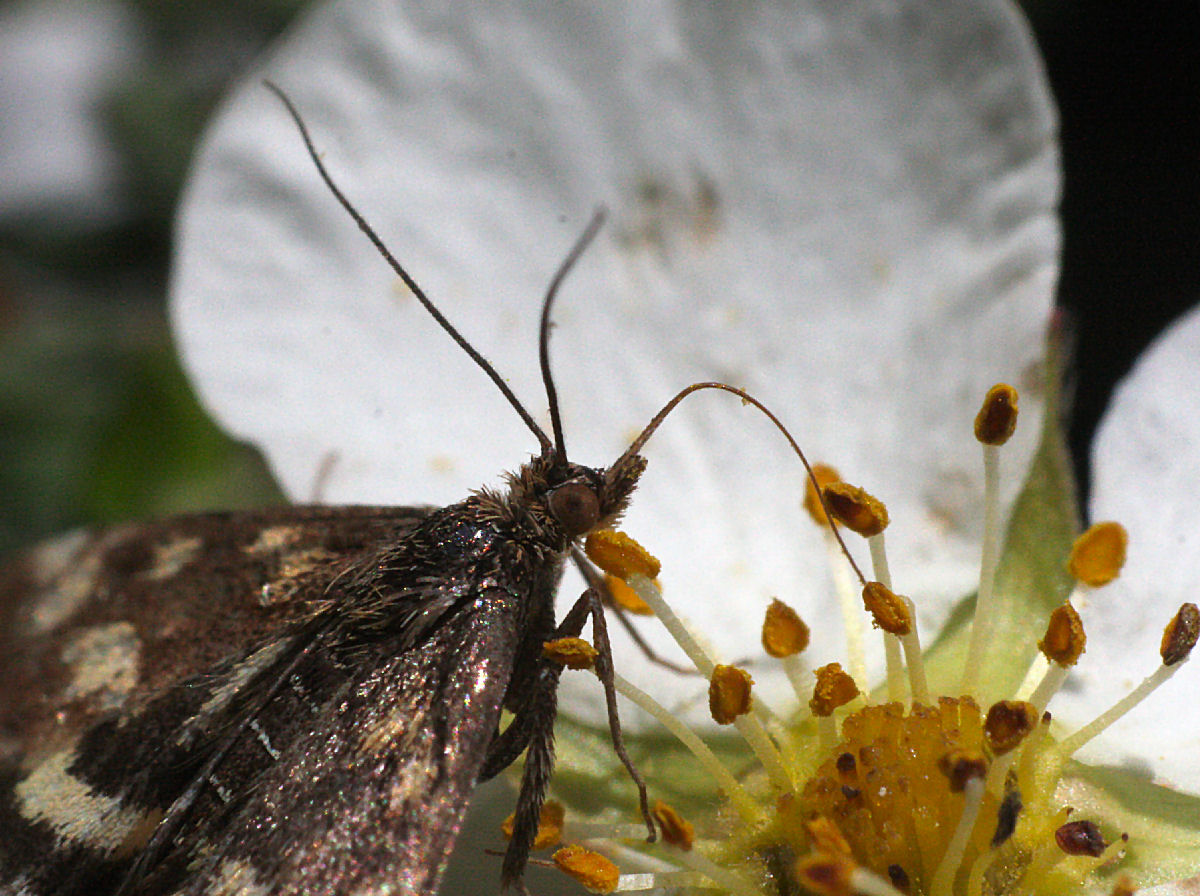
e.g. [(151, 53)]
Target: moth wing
[(113, 642), (95, 623), (371, 799)]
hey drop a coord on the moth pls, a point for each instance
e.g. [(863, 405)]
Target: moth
[(298, 700)]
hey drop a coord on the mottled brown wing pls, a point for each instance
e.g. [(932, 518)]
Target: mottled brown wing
[(118, 652), (371, 797)]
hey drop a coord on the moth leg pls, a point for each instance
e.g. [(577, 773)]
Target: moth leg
[(604, 671), (508, 744), (595, 580), (534, 727)]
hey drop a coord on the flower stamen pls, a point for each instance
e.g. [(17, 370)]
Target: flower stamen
[(625, 597), (729, 694), (925, 796), (571, 653), (676, 830), (592, 871), (550, 825), (1080, 838), (1179, 638), (784, 637), (722, 877), (840, 569), (834, 689), (1005, 727), (675, 625), (745, 805), (895, 614), (619, 555), (1098, 554), (750, 727), (866, 515), (838, 875), (965, 772), (994, 425), (1062, 646)]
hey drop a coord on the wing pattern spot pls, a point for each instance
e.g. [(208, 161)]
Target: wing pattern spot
[(76, 812)]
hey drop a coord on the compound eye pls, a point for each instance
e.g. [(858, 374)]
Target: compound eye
[(576, 508)]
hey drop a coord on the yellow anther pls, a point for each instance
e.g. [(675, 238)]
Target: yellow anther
[(550, 825), (827, 837), (826, 874), (997, 418), (834, 688), (574, 653), (855, 509), (1179, 637), (887, 609), (1064, 640), (784, 632), (1098, 554), (960, 766), (625, 597), (618, 554), (594, 872), (825, 475), (676, 830), (1008, 723), (729, 693)]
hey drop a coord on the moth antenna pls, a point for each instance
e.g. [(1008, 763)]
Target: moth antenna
[(581, 245), (747, 398), (383, 250)]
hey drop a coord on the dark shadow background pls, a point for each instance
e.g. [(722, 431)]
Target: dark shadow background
[(97, 423), (1127, 81)]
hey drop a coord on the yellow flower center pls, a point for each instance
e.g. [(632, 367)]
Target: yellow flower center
[(885, 792)]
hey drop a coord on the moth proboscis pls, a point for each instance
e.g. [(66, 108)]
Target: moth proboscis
[(298, 700)]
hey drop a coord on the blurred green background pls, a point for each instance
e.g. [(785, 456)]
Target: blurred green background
[(97, 423)]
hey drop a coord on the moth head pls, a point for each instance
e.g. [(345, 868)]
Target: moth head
[(578, 498), (576, 506)]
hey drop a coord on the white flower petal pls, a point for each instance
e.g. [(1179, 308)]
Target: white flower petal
[(846, 208), (1145, 475)]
